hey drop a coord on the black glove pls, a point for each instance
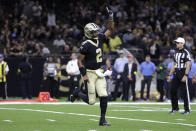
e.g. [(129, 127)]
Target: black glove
[(110, 13)]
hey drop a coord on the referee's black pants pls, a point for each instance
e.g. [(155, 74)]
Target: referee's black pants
[(177, 83)]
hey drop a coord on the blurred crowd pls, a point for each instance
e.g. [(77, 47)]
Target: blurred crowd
[(35, 27)]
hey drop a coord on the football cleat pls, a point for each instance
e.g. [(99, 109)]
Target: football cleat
[(186, 112), (72, 98), (173, 111), (104, 123), (74, 95)]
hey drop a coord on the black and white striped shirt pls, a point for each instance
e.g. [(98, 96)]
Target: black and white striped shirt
[(181, 57)]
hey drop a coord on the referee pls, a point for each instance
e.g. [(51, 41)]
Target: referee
[(180, 69)]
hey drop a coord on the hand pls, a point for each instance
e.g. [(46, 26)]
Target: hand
[(110, 13), (129, 77), (85, 78), (110, 77), (142, 78), (44, 78), (168, 78), (71, 74), (1, 76), (184, 78), (194, 80)]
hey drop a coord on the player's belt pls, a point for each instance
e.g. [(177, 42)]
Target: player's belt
[(180, 69), (89, 70), (100, 72)]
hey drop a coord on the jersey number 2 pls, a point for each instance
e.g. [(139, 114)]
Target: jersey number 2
[(99, 54)]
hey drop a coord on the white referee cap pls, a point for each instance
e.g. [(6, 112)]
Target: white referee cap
[(121, 52), (180, 40)]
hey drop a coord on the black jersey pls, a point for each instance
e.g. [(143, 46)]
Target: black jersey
[(93, 52), (181, 57)]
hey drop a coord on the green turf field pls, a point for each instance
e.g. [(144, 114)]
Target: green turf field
[(81, 117)]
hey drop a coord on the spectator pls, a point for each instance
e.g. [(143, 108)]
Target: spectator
[(109, 79), (51, 19), (121, 14), (170, 57), (189, 42), (190, 81), (37, 50), (169, 83), (50, 72), (73, 72), (127, 37), (45, 51), (16, 50), (37, 11), (147, 69), (24, 71), (27, 8), (154, 51), (161, 77), (58, 78), (4, 69), (129, 78), (119, 68), (193, 72), (59, 41), (115, 43), (66, 50), (76, 32)]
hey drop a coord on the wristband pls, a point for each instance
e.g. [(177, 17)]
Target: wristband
[(82, 71), (111, 17)]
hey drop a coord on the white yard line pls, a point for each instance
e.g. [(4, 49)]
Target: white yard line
[(181, 119), (51, 120), (109, 117), (82, 103), (150, 110), (139, 107), (93, 120), (7, 120)]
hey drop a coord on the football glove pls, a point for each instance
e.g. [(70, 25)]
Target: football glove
[(100, 73), (110, 14)]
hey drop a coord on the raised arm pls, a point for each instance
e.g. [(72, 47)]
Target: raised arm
[(110, 29)]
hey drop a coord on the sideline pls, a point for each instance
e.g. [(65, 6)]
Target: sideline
[(109, 117), (82, 103)]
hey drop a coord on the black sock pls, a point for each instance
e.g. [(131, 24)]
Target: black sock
[(103, 106), (84, 97)]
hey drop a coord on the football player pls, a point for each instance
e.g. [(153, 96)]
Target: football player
[(91, 53)]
